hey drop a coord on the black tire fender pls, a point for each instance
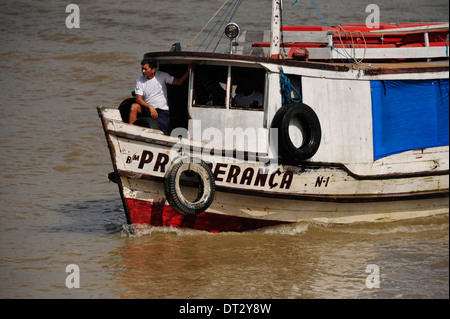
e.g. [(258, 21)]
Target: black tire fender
[(125, 107), (192, 167), (309, 125)]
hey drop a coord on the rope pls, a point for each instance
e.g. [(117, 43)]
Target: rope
[(351, 57), (445, 42), (207, 24), (227, 15), (319, 13), (236, 6), (212, 29), (352, 45), (287, 88)]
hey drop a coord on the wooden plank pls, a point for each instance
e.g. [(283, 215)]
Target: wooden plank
[(288, 36), (410, 30), (306, 36), (344, 111), (393, 53), (378, 53)]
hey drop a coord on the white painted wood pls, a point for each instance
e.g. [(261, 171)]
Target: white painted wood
[(222, 126), (288, 36), (377, 53), (275, 28), (417, 29), (383, 53), (129, 157), (344, 110), (358, 72)]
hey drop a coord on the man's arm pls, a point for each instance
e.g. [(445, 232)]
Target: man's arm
[(182, 79), (142, 103)]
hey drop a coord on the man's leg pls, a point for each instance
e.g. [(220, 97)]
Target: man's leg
[(134, 111), (164, 120)]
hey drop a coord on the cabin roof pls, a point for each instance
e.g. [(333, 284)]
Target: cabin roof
[(247, 58), (372, 68)]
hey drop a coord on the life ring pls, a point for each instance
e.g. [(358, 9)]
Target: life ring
[(193, 169), (299, 132)]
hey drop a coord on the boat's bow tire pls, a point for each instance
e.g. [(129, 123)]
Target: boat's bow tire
[(192, 168), (299, 131), (125, 108)]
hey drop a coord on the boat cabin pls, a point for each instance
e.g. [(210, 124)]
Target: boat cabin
[(350, 104), (209, 104)]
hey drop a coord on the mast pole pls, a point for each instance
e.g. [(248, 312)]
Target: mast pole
[(275, 29)]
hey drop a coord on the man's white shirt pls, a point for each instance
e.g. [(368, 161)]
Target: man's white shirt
[(154, 91)]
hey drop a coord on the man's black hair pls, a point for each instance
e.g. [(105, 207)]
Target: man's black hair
[(151, 63)]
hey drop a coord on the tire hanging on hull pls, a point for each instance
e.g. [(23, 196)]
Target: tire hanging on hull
[(305, 120), (191, 168)]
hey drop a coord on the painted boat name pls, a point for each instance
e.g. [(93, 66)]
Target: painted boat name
[(223, 172)]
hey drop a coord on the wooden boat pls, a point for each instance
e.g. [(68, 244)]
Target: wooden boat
[(333, 141)]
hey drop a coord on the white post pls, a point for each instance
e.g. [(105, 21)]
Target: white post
[(427, 39), (275, 29), (427, 43), (228, 98), (191, 90)]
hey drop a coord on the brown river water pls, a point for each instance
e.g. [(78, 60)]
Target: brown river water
[(58, 207)]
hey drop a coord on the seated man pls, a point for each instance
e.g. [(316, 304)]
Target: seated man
[(151, 94), (246, 96)]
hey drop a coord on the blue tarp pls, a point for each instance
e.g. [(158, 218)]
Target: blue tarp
[(408, 115)]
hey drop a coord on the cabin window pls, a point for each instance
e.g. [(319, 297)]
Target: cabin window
[(210, 84), (246, 87), (214, 107), (247, 91)]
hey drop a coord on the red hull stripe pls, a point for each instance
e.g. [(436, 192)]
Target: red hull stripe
[(159, 214)]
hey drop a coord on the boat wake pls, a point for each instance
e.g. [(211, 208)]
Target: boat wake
[(140, 230), (432, 223), (146, 230)]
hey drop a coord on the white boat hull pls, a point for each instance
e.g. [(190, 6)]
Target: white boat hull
[(246, 199), (146, 204)]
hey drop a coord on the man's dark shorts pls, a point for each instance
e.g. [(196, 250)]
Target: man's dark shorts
[(163, 118)]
